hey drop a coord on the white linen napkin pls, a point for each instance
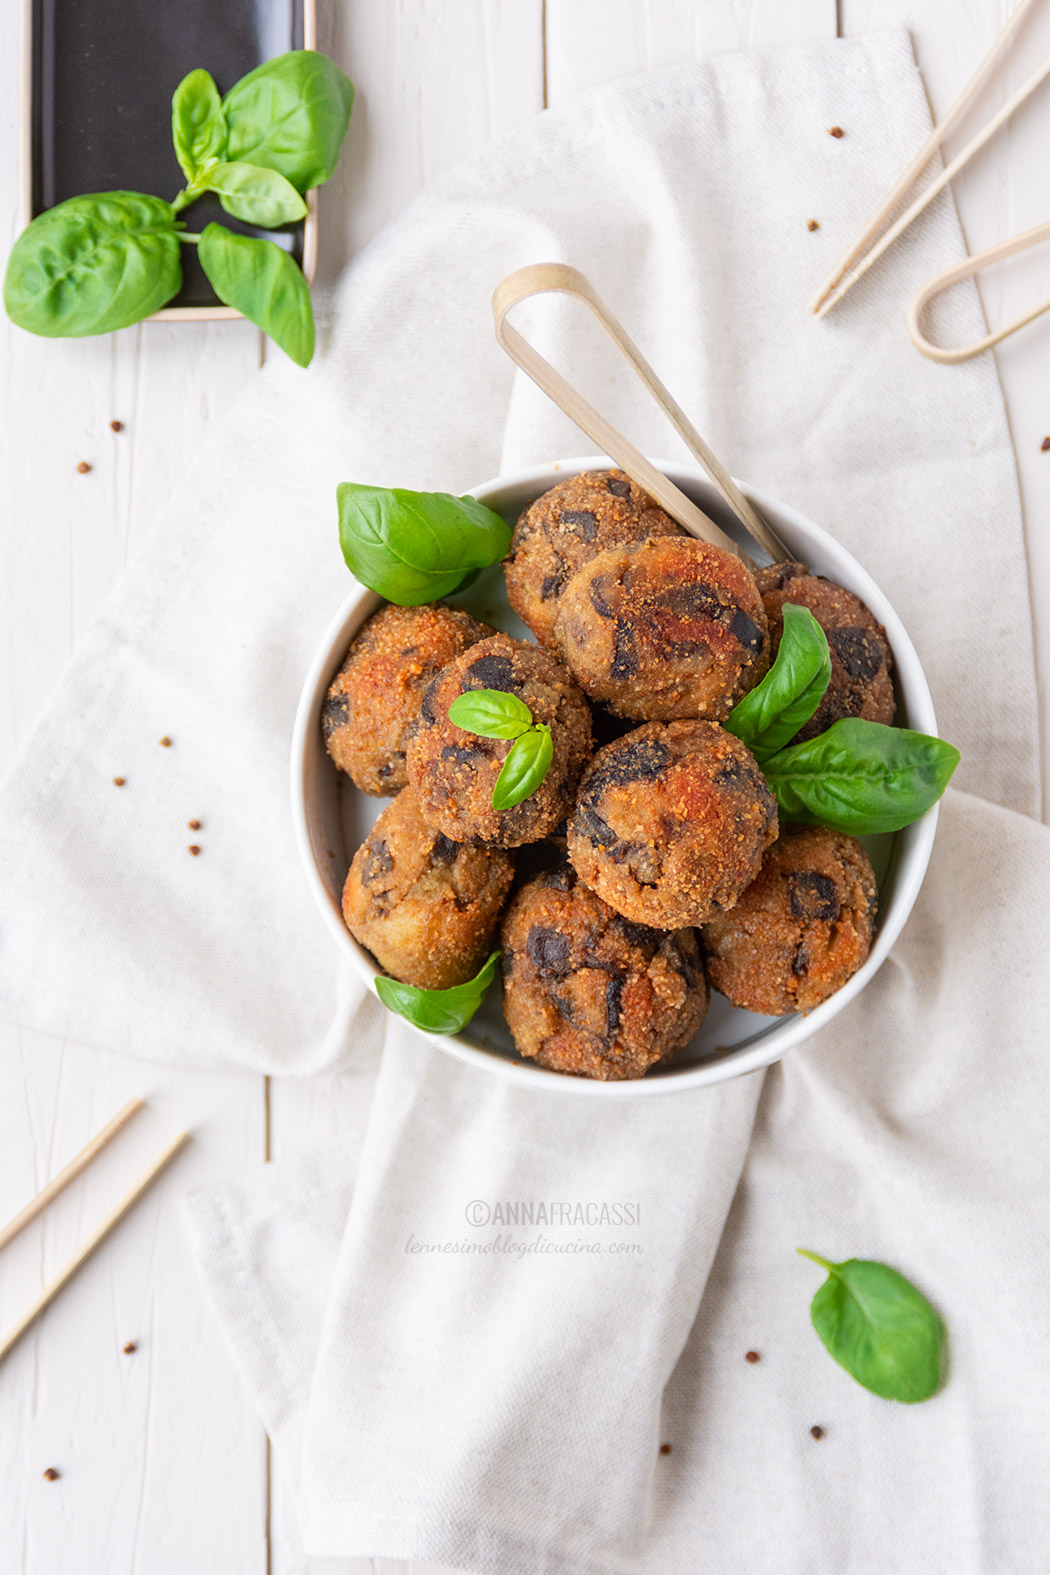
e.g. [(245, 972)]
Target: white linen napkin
[(503, 1413)]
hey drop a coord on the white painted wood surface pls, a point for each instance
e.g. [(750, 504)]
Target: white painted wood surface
[(164, 1467)]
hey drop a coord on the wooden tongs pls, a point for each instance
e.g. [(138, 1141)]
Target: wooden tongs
[(862, 254), (540, 278)]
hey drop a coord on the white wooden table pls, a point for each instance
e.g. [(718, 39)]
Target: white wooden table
[(164, 1468)]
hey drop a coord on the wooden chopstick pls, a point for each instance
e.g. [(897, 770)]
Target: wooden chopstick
[(828, 295), (86, 1248), (71, 1171)]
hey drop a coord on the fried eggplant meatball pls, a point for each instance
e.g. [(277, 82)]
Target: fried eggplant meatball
[(664, 629), (425, 907), (861, 664), (587, 992), (374, 700), (801, 929), (564, 529), (671, 823), (455, 771)]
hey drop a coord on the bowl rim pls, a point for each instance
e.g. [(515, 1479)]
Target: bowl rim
[(788, 1031)]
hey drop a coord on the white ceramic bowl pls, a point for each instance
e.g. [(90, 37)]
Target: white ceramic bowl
[(332, 818)]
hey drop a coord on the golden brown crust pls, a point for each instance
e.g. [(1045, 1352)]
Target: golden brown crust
[(671, 823), (861, 663), (664, 629), (425, 907), (455, 771), (563, 530), (587, 992), (801, 929), (373, 702)]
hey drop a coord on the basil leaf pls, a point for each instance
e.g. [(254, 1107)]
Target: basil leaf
[(770, 716), (861, 777), (264, 283), (438, 1011), (255, 195), (490, 713), (527, 763), (879, 1328), (198, 125), (290, 114), (92, 264), (414, 547)]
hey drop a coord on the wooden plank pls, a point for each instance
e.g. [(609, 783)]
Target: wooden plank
[(160, 1453), (594, 41), (1005, 190), (433, 82)]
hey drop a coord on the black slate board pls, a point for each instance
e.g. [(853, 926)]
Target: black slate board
[(103, 72)]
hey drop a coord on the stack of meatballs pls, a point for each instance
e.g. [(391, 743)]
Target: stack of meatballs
[(650, 862)]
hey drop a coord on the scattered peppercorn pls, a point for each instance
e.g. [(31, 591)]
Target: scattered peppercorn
[(119, 781), (118, 426), (50, 1475), (811, 224), (129, 1347), (165, 742), (194, 825), (665, 1449), (836, 131), (816, 1432), (194, 849), (83, 467), (1045, 445), (751, 1356)]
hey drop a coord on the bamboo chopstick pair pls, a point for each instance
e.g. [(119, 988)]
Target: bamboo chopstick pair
[(100, 1141), (858, 260)]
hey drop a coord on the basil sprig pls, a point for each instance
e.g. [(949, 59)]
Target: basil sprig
[(414, 547), (438, 1011), (879, 1328), (770, 716), (857, 776), (861, 777), (104, 261), (493, 714)]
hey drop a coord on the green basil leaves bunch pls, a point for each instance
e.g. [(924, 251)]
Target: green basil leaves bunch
[(101, 262), (860, 777), (438, 1011), (414, 547), (879, 1328), (490, 713)]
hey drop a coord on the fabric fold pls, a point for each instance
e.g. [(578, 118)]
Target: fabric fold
[(503, 1410)]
